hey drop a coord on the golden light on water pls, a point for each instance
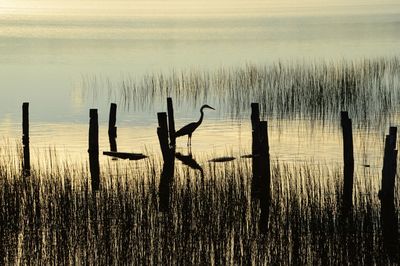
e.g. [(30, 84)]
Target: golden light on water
[(193, 8), (290, 141)]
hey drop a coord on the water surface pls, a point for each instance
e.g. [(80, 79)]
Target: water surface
[(49, 48)]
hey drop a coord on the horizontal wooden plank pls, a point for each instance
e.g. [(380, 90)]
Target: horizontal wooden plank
[(125, 155)]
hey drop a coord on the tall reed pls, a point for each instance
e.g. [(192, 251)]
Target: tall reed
[(367, 88)]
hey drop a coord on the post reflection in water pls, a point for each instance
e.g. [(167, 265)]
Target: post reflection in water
[(166, 180)]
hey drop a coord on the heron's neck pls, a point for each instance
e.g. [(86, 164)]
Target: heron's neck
[(201, 116)]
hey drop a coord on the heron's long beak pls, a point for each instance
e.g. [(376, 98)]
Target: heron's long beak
[(207, 106)]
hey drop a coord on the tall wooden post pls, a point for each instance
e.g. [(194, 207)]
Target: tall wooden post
[(386, 195), (389, 166), (255, 151), (112, 129), (26, 165), (94, 149), (348, 159), (171, 122), (168, 153), (265, 176)]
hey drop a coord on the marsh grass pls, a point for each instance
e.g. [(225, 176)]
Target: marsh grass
[(53, 217), (367, 88)]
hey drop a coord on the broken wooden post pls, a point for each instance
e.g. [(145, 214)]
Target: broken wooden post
[(255, 127), (171, 122), (386, 195), (348, 159), (112, 129), (168, 153), (162, 132), (26, 165), (264, 169), (94, 149)]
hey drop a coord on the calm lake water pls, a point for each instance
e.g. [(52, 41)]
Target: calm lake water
[(47, 51)]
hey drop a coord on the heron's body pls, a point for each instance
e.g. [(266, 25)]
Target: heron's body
[(190, 128)]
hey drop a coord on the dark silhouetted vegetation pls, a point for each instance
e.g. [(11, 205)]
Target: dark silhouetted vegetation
[(368, 89), (53, 216)]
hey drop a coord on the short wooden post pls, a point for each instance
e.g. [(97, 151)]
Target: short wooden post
[(265, 176), (386, 195), (162, 132), (348, 159), (94, 149), (26, 165), (112, 129), (255, 121), (171, 122), (255, 127)]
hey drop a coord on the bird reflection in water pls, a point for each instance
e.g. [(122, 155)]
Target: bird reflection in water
[(188, 160)]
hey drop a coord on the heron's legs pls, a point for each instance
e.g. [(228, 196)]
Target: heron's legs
[(190, 139), (189, 144)]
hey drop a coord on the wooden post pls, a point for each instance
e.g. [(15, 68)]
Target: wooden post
[(265, 176), (162, 132), (255, 127), (389, 166), (386, 195), (112, 129), (255, 121), (168, 153), (26, 165), (94, 149), (348, 159), (171, 122)]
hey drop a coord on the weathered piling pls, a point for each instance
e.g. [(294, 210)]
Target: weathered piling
[(94, 149), (255, 122), (255, 127), (348, 159), (265, 176), (171, 122), (162, 132), (389, 166), (26, 165), (112, 129), (386, 195), (261, 182)]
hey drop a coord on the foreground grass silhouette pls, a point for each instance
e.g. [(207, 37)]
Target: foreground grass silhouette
[(53, 217)]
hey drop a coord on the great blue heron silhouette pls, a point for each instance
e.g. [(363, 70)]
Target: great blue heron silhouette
[(190, 128)]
